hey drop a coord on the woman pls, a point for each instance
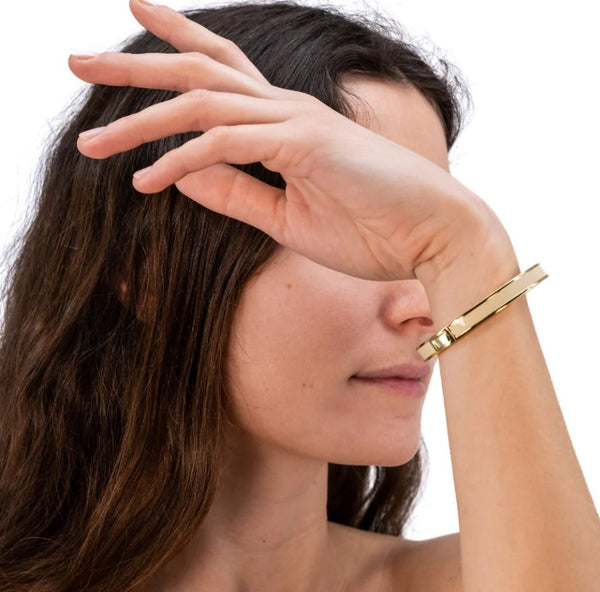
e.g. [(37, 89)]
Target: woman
[(191, 405)]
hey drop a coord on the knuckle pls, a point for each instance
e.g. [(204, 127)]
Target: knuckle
[(224, 48), (216, 135), (198, 95), (302, 98), (194, 59), (174, 163)]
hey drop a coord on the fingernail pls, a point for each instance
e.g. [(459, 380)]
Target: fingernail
[(141, 172), (89, 134), (85, 56), (148, 2)]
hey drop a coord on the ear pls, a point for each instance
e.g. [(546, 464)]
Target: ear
[(122, 292), (142, 307)]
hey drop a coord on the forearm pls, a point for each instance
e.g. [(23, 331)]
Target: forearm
[(527, 520)]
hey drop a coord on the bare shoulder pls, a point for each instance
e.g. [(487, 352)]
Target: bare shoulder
[(431, 565), (385, 563)]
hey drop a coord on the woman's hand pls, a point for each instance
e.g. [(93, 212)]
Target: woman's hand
[(354, 201)]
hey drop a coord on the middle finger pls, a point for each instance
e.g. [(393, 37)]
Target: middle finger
[(194, 111)]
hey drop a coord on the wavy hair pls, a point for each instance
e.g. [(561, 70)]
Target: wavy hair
[(113, 405)]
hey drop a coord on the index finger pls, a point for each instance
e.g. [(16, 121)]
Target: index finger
[(187, 36)]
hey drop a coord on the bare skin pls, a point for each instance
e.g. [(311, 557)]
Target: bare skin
[(386, 210), (268, 522)]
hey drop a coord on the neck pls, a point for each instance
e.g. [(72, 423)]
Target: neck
[(266, 529)]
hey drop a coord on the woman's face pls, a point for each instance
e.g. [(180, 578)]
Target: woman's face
[(322, 364)]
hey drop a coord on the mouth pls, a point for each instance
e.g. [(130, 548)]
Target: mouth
[(405, 379)]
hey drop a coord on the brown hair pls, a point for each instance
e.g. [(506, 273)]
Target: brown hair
[(113, 406)]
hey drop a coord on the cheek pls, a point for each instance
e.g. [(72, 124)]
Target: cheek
[(294, 334), (290, 353)]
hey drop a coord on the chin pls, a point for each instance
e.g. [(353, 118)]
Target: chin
[(391, 453)]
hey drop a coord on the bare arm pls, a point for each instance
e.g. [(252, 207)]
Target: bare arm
[(527, 520)]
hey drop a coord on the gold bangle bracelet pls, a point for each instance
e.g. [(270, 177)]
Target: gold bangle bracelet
[(487, 308)]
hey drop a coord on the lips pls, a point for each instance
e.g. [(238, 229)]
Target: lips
[(399, 371), (401, 379)]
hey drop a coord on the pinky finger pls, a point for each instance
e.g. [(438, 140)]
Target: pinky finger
[(240, 144), (231, 192)]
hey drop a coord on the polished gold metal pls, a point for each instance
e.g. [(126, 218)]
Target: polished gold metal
[(487, 308)]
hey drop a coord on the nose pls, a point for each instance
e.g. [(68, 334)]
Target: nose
[(406, 302)]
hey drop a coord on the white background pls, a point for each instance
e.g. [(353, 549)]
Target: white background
[(530, 149)]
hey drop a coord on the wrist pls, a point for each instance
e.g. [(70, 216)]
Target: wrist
[(494, 303), (477, 260)]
